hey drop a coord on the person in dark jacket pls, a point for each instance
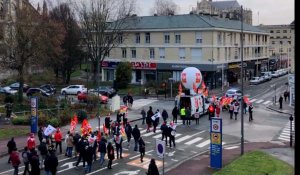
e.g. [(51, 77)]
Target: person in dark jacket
[(11, 144), (143, 113), (155, 122), (102, 150), (88, 157), (164, 115), (110, 154), (188, 116), (152, 169), (130, 100), (76, 139), (119, 118), (142, 146), (148, 118), (51, 163), (82, 143), (280, 102), (43, 151), (175, 113), (125, 100), (136, 135), (118, 142), (125, 120), (250, 110), (107, 123), (25, 156), (34, 162), (40, 134), (164, 131), (128, 131)]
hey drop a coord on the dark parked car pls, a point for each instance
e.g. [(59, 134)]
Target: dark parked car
[(49, 88), (32, 91), (106, 90), (15, 86)]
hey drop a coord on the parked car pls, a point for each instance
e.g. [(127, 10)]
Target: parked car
[(267, 76), (73, 89), (256, 80), (33, 91), (83, 97), (15, 86), (234, 93), (49, 88), (10, 90), (274, 74), (105, 90), (4, 91)]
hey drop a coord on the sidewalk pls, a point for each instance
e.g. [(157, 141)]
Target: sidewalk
[(200, 163)]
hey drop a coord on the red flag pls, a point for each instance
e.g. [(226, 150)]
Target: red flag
[(246, 99), (75, 119), (85, 127)]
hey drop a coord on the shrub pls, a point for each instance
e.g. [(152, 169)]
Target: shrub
[(55, 122), (21, 121), (8, 99), (65, 119), (123, 75), (43, 119), (81, 115)]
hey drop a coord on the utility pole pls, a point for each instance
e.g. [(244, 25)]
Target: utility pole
[(242, 82)]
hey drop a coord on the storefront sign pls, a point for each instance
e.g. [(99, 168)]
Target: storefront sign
[(134, 64)]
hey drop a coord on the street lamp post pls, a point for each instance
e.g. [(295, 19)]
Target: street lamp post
[(242, 84)]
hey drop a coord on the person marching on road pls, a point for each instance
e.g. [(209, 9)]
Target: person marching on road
[(107, 123), (81, 146), (236, 110), (58, 138), (125, 100), (175, 113), (128, 131), (34, 162), (118, 142), (142, 146), (51, 162), (43, 151), (188, 116), (40, 134), (164, 132), (152, 169), (15, 160), (155, 121), (285, 94), (76, 139), (148, 118), (182, 115), (143, 113), (231, 108), (31, 142), (280, 102), (110, 154), (11, 145), (130, 100), (218, 110), (136, 135), (25, 156), (250, 110), (165, 115), (171, 134), (102, 150), (89, 152)]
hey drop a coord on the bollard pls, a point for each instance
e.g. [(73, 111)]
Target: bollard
[(291, 131)]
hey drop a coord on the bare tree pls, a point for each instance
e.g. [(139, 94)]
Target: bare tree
[(29, 39), (102, 23), (165, 7)]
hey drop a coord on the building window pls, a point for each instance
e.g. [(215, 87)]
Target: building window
[(277, 37), (152, 53), (167, 38), (271, 31), (196, 54), (124, 53), (218, 53), (177, 38), (181, 53), (162, 53), (198, 38), (285, 37), (290, 49), (137, 38), (120, 38), (219, 38), (289, 42), (133, 53), (106, 53), (271, 37), (284, 31), (147, 37), (273, 42), (277, 31)]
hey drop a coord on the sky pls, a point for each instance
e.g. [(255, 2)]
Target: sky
[(267, 12)]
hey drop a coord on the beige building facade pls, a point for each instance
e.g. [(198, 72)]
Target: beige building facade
[(160, 47)]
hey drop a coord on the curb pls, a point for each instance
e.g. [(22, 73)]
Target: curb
[(279, 111)]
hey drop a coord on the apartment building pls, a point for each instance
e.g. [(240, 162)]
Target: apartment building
[(282, 44), (160, 47)]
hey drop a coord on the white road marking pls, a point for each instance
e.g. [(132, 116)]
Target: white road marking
[(285, 139), (252, 100), (266, 102), (143, 131), (206, 142), (177, 135), (101, 169), (232, 147), (183, 139), (193, 141), (157, 136), (259, 101), (151, 133), (139, 154)]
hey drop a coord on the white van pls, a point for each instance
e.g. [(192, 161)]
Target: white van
[(197, 103)]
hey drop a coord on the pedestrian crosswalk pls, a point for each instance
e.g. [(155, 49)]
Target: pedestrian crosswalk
[(138, 104), (260, 101), (285, 133)]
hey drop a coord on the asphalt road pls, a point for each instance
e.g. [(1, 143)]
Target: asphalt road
[(192, 140)]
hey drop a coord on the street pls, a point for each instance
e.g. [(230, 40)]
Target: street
[(190, 141)]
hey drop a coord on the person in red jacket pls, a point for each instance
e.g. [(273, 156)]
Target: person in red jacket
[(58, 138), (218, 110), (15, 160), (31, 142)]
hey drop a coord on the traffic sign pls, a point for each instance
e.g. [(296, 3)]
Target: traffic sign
[(33, 101), (215, 125), (216, 138), (160, 148), (33, 112)]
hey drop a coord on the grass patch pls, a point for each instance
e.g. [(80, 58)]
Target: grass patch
[(133, 89), (257, 162), (77, 73), (8, 131)]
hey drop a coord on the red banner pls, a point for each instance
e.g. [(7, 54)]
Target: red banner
[(85, 127), (73, 124)]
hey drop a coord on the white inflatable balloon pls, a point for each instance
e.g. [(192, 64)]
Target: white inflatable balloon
[(190, 76)]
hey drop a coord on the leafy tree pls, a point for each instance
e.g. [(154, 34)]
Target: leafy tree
[(123, 74), (100, 34), (165, 7), (71, 52), (29, 39)]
